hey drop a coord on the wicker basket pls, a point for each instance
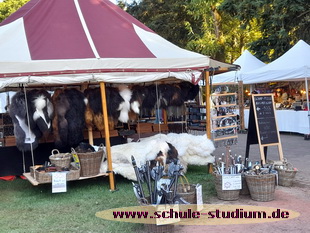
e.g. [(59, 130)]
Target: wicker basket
[(152, 228), (226, 195), (90, 163), (262, 187), (286, 176), (46, 177), (187, 192), (60, 159), (245, 189)]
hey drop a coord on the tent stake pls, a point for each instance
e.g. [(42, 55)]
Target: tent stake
[(107, 135)]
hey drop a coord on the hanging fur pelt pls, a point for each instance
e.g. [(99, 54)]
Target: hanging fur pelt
[(165, 95), (118, 106), (69, 122), (40, 111)]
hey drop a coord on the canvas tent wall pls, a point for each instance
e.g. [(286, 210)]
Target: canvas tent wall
[(247, 63), (74, 41)]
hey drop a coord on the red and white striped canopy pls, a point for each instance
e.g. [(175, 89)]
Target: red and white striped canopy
[(73, 41)]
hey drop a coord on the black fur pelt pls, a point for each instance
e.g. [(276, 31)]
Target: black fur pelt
[(95, 114), (40, 109), (189, 91), (40, 112), (23, 134), (69, 122)]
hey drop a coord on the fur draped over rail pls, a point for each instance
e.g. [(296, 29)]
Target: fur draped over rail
[(40, 110), (191, 149)]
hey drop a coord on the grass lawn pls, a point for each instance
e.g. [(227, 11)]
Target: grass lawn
[(34, 209)]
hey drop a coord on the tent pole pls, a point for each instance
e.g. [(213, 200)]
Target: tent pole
[(307, 95), (107, 135), (208, 117)]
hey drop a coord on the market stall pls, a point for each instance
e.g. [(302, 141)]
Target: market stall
[(292, 66), (60, 43)]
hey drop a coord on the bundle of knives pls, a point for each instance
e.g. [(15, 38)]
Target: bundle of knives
[(157, 184)]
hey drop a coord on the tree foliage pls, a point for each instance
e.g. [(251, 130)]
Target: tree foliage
[(281, 22), (7, 7)]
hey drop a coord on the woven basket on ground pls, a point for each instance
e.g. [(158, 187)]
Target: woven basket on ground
[(90, 163), (60, 159), (152, 228), (286, 176), (262, 187), (226, 195), (187, 192), (245, 189)]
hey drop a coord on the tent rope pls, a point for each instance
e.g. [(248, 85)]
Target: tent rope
[(28, 121)]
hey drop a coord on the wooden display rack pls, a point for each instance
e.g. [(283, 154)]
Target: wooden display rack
[(36, 183)]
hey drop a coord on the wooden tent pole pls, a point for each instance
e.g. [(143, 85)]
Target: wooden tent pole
[(107, 135), (208, 113)]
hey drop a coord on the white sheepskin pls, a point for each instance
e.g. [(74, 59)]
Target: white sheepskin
[(192, 149), (124, 107)]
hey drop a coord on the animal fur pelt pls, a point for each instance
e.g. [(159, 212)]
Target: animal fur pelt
[(40, 112), (165, 95), (195, 150), (23, 134), (69, 122), (121, 156), (118, 106)]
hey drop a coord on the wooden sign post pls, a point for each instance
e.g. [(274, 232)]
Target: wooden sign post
[(263, 129)]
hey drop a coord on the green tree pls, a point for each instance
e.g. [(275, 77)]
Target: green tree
[(197, 25), (282, 23), (7, 7)]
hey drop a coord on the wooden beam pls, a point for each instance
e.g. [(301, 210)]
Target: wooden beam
[(107, 135), (208, 113)]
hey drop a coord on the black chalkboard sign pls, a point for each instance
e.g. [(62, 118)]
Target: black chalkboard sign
[(265, 117), (262, 127)]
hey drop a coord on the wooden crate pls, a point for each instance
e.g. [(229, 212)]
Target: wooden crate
[(145, 127), (10, 141), (160, 128)]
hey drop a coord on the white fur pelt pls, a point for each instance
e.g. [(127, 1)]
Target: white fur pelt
[(124, 106), (194, 150)]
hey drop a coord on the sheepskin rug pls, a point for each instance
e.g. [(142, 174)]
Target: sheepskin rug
[(192, 149)]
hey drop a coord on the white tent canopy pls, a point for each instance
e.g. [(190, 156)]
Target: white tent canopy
[(292, 66), (246, 61)]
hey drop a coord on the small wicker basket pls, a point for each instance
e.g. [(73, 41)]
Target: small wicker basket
[(226, 195), (60, 159), (262, 187), (286, 176), (187, 192)]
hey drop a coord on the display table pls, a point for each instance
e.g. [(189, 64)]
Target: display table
[(288, 121)]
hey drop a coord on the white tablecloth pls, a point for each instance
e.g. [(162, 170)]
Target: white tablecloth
[(288, 121)]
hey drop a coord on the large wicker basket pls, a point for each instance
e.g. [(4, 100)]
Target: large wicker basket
[(286, 176), (262, 187), (60, 159), (90, 163), (226, 195), (245, 189)]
